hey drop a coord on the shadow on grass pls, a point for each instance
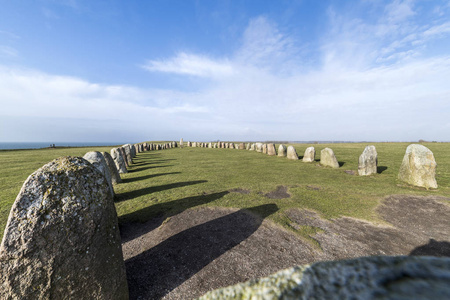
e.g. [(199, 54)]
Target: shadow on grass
[(127, 180), (131, 224), (341, 163), (147, 168), (381, 169), (152, 189), (433, 248), (157, 271)]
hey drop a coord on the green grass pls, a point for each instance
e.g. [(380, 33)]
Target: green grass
[(164, 183)]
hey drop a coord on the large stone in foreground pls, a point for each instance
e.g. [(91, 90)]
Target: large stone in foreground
[(115, 177), (291, 153), (97, 159), (401, 277), (310, 154), (328, 159), (418, 167), (368, 161), (62, 239)]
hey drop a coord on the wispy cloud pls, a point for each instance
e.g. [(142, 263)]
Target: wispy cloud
[(7, 51)]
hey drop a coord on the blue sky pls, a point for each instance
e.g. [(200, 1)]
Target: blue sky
[(119, 71)]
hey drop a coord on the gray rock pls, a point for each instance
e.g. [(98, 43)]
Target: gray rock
[(231, 145), (97, 159), (248, 146), (291, 153), (368, 161), (115, 177), (310, 154), (418, 167), (127, 150), (253, 147), (264, 149), (62, 239), (119, 161), (189, 144), (124, 156), (194, 144), (210, 145), (259, 147), (401, 277), (133, 151), (271, 150), (328, 159), (282, 150), (181, 143)]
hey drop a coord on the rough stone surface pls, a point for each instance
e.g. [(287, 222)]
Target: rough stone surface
[(418, 167), (247, 147), (282, 150), (328, 159), (264, 148), (291, 153), (271, 150), (397, 277), (241, 146), (115, 177), (62, 239), (127, 150), (194, 144), (368, 161), (119, 161), (124, 156), (97, 159), (310, 154), (259, 147), (252, 147)]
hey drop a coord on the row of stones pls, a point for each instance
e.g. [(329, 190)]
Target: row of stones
[(418, 167), (62, 238)]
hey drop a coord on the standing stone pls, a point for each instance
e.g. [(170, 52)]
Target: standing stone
[(181, 143), (210, 145), (119, 160), (328, 159), (146, 147), (127, 150), (189, 144), (291, 153), (310, 154), (377, 277), (62, 238), (194, 144), (271, 150), (175, 144), (124, 156), (253, 147), (231, 145), (259, 147), (248, 146), (115, 177), (133, 151), (282, 150), (418, 167), (368, 161), (241, 146), (97, 159), (215, 145), (264, 149)]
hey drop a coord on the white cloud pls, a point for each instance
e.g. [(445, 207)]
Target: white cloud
[(8, 51), (190, 64)]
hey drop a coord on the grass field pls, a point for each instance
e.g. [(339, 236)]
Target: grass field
[(166, 182)]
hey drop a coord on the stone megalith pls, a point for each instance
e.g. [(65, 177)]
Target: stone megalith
[(253, 147), (378, 277), (181, 143), (264, 149), (241, 146), (62, 238), (127, 150), (194, 144), (115, 177), (97, 159), (291, 153), (119, 160), (124, 156), (310, 154), (231, 145), (247, 147), (189, 144), (328, 159), (271, 150), (418, 167), (133, 151), (368, 161), (259, 147), (282, 150), (210, 145)]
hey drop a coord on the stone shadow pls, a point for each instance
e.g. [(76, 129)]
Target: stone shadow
[(152, 189), (157, 271), (381, 169), (433, 248), (341, 163), (147, 168), (127, 180)]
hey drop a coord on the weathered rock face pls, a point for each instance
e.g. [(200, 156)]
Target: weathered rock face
[(189, 144), (115, 177), (264, 148), (241, 146), (328, 159), (282, 150), (97, 159), (62, 239), (259, 147), (124, 156), (310, 154), (247, 147), (210, 145), (253, 147), (181, 142), (271, 150), (194, 144), (368, 161), (231, 145), (127, 149), (133, 151), (383, 277), (291, 153), (119, 160), (418, 167)]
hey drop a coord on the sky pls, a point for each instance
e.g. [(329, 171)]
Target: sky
[(204, 70)]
